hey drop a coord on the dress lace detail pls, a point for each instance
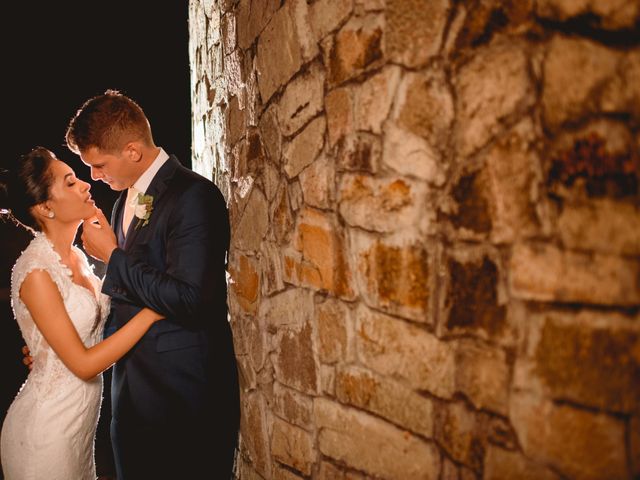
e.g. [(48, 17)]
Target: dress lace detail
[(50, 427)]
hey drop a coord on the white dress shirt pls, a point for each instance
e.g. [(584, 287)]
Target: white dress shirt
[(140, 186)]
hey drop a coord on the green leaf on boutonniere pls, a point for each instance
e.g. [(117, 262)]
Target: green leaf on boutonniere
[(144, 207)]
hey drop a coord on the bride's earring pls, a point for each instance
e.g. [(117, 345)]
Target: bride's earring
[(51, 214)]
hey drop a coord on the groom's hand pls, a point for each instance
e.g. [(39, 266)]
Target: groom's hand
[(98, 239), (27, 359)]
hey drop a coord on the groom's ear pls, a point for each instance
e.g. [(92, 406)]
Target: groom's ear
[(133, 152)]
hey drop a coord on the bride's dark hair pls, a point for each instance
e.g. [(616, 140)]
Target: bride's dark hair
[(27, 185)]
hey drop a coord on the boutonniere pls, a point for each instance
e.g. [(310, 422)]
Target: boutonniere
[(143, 209)]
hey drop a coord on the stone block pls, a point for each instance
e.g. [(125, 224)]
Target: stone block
[(333, 319), (460, 432), (395, 348), (576, 443), (399, 203), (492, 86), (361, 152), (502, 464), (292, 446), (414, 30), (543, 272), (295, 363), (304, 148), (279, 54), (325, 16), (609, 14), (393, 274), (317, 182), (292, 406), (245, 282), (253, 224), (386, 398), (339, 105), (278, 313), (370, 445), (253, 431), (253, 16), (302, 100), (373, 99)]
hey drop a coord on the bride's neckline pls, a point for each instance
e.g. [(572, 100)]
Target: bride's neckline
[(65, 268)]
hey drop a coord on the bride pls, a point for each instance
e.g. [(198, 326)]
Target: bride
[(49, 430)]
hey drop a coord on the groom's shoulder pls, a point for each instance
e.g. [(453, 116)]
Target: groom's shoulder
[(189, 183)]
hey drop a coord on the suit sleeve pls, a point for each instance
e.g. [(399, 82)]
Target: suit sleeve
[(196, 248)]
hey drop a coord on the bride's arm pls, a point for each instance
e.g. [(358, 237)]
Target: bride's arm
[(42, 297)]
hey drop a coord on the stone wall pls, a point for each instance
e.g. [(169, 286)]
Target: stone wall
[(435, 264)]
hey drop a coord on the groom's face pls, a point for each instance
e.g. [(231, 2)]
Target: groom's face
[(115, 169)]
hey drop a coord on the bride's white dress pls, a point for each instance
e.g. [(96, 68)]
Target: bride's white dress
[(49, 430)]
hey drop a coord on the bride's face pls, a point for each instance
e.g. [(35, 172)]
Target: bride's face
[(69, 199)]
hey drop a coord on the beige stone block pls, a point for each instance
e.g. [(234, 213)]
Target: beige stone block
[(328, 471), (281, 473), (325, 16), (399, 203), (254, 442), (373, 446), (356, 48), (228, 31), (271, 136), (279, 54), (322, 260), (603, 225), (302, 100), (339, 106), (425, 107), (253, 15), (282, 214), (502, 464), (253, 224), (460, 433), (292, 406), (512, 166), (360, 152), (246, 470), (236, 122), (306, 38), (411, 155), (318, 183), (304, 148), (574, 71), (292, 446), (373, 99), (612, 14), (483, 375), (278, 313), (396, 348), (492, 86), (245, 282), (295, 363), (333, 318), (414, 30), (587, 358), (393, 274), (386, 398), (577, 443), (543, 272)]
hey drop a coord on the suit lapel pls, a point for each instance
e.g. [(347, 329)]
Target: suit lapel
[(116, 217), (156, 188)]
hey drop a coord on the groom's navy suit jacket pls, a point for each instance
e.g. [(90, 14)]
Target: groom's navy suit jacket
[(175, 397)]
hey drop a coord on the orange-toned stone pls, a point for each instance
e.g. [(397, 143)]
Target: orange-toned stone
[(246, 282)]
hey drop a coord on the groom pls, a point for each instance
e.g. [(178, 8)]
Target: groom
[(175, 396)]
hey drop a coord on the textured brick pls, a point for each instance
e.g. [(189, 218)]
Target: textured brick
[(393, 275), (279, 55), (357, 47), (373, 99), (339, 104), (492, 86), (386, 398), (545, 273), (245, 282), (295, 363), (292, 446), (332, 320), (611, 14), (414, 30), (373, 446), (326, 16), (254, 223), (461, 434), (398, 349), (253, 15), (301, 101), (576, 443), (304, 148), (502, 464), (253, 429), (293, 406)]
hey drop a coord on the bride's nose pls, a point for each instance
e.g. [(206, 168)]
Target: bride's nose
[(86, 187)]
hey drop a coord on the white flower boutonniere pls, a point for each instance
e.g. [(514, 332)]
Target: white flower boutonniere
[(143, 209)]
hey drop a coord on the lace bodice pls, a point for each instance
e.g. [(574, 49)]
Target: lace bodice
[(87, 313)]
